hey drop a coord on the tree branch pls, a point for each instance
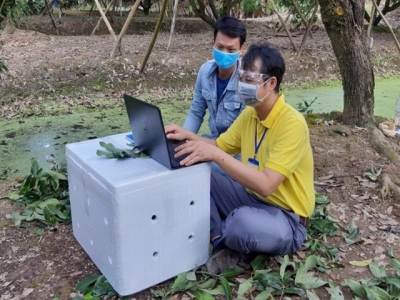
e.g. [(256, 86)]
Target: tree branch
[(308, 29), (387, 24), (284, 25), (213, 9)]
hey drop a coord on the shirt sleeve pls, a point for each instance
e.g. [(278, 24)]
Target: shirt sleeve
[(197, 108), (230, 140)]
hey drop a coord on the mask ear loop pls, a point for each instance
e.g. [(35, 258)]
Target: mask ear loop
[(258, 86)]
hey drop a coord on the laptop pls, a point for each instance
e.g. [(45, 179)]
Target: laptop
[(148, 132)]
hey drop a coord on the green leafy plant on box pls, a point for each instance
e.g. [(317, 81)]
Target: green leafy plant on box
[(110, 151)]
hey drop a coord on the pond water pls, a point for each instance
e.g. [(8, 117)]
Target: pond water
[(45, 138), (330, 98)]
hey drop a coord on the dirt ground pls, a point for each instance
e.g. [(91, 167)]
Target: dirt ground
[(46, 67)]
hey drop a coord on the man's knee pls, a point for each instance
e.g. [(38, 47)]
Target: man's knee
[(240, 231), (245, 232)]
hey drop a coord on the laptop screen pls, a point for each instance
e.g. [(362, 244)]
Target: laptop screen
[(148, 129)]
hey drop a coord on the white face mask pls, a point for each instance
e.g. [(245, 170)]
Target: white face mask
[(247, 93)]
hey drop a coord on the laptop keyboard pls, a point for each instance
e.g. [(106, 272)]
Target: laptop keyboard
[(171, 145)]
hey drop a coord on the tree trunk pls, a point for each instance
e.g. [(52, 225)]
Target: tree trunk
[(155, 34), (199, 10), (343, 20), (175, 10), (146, 4)]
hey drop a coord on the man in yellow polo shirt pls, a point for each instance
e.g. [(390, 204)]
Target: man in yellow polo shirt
[(265, 204)]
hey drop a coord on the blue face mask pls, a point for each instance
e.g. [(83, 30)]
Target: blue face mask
[(225, 60)]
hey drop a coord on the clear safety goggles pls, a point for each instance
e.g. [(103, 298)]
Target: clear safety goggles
[(251, 77)]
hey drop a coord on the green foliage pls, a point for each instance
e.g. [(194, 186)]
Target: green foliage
[(381, 286), (113, 152), (305, 7), (3, 67), (95, 287), (249, 6), (373, 173), (36, 6), (44, 196), (14, 10), (304, 107), (353, 231)]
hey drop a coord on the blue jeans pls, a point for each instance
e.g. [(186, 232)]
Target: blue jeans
[(247, 224)]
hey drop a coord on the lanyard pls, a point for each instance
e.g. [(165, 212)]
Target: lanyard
[(256, 146)]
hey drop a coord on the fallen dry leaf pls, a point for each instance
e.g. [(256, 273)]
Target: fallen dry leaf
[(369, 184), (368, 242), (361, 263)]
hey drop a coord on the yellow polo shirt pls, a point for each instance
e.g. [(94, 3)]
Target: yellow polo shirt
[(285, 148)]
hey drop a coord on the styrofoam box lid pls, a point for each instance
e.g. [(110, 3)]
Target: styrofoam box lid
[(120, 176)]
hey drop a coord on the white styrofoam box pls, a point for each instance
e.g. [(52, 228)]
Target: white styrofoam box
[(139, 222)]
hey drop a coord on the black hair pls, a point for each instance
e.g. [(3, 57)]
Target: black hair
[(272, 62), (232, 27)]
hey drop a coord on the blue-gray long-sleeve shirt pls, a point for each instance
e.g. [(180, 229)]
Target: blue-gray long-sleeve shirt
[(221, 113)]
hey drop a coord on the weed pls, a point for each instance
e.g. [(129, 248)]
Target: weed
[(94, 286), (373, 173), (381, 286), (44, 197), (304, 107)]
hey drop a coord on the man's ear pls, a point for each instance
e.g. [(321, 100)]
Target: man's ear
[(242, 49), (273, 82)]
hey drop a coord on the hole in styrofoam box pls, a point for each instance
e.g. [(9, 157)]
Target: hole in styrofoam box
[(87, 211), (154, 217), (155, 254), (190, 237), (192, 202)]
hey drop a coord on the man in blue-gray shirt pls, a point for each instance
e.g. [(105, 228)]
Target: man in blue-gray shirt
[(215, 84)]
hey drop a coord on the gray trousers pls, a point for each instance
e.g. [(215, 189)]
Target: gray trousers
[(249, 225)]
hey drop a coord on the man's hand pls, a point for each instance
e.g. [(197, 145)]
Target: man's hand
[(198, 151), (198, 148), (174, 132)]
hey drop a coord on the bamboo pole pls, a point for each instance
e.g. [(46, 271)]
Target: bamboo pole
[(99, 21), (173, 23), (2, 4), (371, 20), (155, 34), (303, 19), (125, 27), (109, 13), (308, 29), (51, 16), (287, 18), (387, 24), (284, 25), (46, 8), (106, 20)]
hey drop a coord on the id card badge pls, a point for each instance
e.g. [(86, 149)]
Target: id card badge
[(253, 163)]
